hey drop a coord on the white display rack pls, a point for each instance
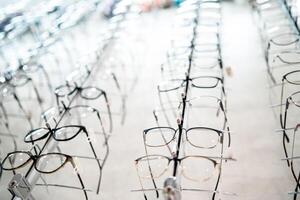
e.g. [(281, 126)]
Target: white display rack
[(21, 186)]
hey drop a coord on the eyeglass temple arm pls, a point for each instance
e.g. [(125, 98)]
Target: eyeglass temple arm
[(5, 114), (229, 136), (79, 178), (123, 96), (225, 123), (156, 120), (217, 183), (283, 120), (141, 184), (23, 110), (97, 160), (64, 186), (38, 96), (283, 125), (50, 87), (109, 112), (297, 186), (191, 190), (102, 127), (213, 191), (151, 174)]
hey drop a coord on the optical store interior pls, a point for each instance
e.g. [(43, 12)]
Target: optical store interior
[(149, 99)]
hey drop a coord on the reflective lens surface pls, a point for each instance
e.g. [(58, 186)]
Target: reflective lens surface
[(66, 133), (205, 82), (91, 93), (170, 85), (203, 138), (64, 90), (15, 160), (152, 166), (294, 78), (49, 163), (36, 134), (159, 136), (197, 168)]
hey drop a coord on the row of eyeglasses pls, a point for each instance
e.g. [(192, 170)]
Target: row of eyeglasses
[(38, 67), (56, 116), (279, 28), (27, 20), (185, 150)]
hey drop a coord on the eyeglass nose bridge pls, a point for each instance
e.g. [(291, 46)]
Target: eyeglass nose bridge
[(48, 125)]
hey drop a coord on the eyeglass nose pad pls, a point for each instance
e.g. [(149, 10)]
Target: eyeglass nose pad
[(216, 172), (20, 61), (64, 105), (74, 166), (178, 120), (76, 84), (155, 115), (296, 128), (48, 125), (183, 95)]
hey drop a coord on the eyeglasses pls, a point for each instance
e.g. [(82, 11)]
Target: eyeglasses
[(198, 82), (201, 62), (199, 137), (196, 47), (87, 93), (55, 162), (32, 67), (79, 112), (170, 110), (64, 133), (154, 166), (283, 60), (288, 78), (58, 21), (9, 89)]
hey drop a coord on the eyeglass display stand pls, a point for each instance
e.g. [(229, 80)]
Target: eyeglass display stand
[(20, 188), (171, 189)]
